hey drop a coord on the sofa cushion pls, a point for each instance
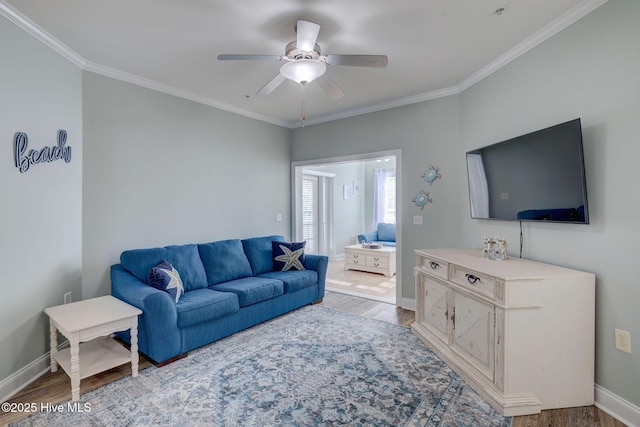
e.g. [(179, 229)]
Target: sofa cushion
[(288, 256), (202, 305), (260, 253), (294, 280), (251, 290), (224, 260), (386, 232), (165, 277), (185, 259)]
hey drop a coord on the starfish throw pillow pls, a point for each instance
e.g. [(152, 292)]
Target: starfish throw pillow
[(288, 256), (166, 278)]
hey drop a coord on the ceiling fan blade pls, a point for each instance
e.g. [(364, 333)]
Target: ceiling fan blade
[(331, 87), (376, 61), (227, 57), (272, 85), (307, 34)]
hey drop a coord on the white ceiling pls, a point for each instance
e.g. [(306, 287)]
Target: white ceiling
[(435, 47)]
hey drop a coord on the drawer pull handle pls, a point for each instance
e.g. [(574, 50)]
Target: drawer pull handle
[(472, 279), (434, 265), (453, 318), (376, 264), (355, 261), (355, 256), (376, 258)]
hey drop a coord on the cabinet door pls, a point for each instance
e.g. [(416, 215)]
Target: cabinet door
[(472, 331), (434, 313)]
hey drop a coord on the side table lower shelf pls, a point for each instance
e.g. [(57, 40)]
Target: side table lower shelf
[(96, 356)]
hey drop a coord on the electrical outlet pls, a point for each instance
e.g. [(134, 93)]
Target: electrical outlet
[(68, 298), (623, 340), (417, 220)]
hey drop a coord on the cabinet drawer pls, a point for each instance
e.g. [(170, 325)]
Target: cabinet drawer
[(354, 255), (480, 283), (378, 262), (436, 267), (356, 261)]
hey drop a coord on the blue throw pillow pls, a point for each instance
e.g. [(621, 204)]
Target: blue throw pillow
[(386, 232), (288, 256), (166, 278)]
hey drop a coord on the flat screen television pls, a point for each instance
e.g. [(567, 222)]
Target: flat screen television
[(534, 177)]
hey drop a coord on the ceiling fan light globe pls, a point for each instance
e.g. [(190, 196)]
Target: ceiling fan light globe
[(303, 70)]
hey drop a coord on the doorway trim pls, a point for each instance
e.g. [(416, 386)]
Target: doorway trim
[(296, 170)]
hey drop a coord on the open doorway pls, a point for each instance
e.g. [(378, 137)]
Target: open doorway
[(337, 199)]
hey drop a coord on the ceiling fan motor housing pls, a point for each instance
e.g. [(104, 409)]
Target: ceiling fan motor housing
[(293, 53)]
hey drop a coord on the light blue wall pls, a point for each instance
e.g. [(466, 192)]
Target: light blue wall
[(590, 70), (41, 215), (161, 170)]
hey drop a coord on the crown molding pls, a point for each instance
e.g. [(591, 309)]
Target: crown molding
[(413, 99), (40, 34), (559, 24), (171, 90), (579, 11)]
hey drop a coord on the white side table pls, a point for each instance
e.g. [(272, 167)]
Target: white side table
[(87, 325)]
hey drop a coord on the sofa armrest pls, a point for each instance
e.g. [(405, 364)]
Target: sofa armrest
[(158, 333), (368, 237), (319, 263)]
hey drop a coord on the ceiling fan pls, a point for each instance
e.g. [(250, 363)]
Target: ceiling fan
[(304, 62)]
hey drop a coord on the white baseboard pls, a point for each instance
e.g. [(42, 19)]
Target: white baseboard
[(617, 407), (25, 376)]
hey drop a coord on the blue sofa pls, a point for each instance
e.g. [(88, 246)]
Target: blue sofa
[(229, 285), (385, 233)]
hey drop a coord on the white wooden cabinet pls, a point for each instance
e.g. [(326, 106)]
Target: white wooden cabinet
[(519, 332), (382, 260)]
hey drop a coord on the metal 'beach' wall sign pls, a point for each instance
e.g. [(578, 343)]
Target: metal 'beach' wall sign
[(25, 159)]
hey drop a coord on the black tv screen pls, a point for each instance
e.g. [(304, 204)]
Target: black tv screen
[(534, 177)]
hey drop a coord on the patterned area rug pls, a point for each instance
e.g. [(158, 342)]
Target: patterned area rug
[(313, 367)]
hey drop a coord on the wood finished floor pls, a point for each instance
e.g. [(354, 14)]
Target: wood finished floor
[(56, 387)]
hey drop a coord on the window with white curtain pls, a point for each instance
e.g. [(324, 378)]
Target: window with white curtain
[(384, 196), (390, 198), (310, 212)]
